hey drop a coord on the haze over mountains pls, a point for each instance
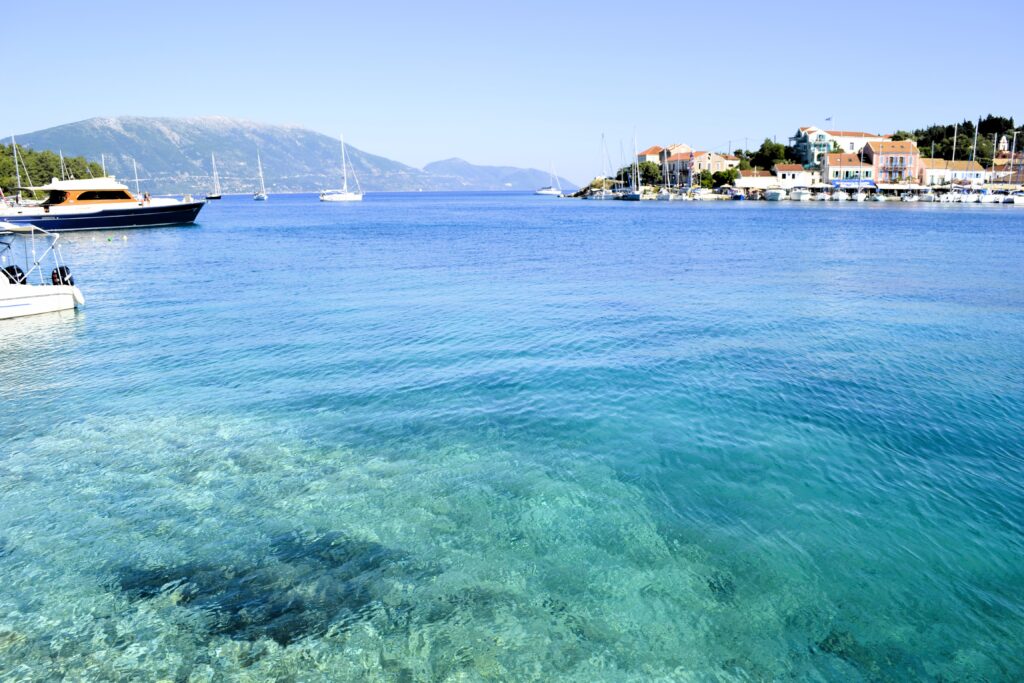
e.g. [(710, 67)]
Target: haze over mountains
[(173, 155)]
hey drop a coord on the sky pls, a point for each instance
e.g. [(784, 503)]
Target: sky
[(523, 83)]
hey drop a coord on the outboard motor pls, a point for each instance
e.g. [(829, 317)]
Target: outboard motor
[(15, 275), (61, 275)]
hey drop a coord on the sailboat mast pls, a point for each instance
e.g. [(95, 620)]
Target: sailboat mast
[(344, 166), (974, 146), (17, 170), (136, 170)]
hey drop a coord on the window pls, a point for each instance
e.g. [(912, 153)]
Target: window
[(851, 146), (100, 195)]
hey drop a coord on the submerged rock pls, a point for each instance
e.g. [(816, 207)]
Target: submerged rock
[(306, 584)]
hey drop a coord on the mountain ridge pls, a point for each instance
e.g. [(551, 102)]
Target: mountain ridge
[(172, 154)]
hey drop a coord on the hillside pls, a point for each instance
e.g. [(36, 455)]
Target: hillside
[(492, 177), (173, 155)]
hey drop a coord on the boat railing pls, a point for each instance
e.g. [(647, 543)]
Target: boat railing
[(39, 244)]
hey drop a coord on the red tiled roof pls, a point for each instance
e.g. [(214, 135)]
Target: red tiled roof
[(788, 167), (650, 150), (755, 173), (854, 134), (836, 159), (679, 157), (888, 147)]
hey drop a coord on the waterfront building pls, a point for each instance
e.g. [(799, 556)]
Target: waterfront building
[(893, 162), (756, 179), (945, 172), (813, 143), (839, 169), (794, 175), (688, 165), (652, 154)]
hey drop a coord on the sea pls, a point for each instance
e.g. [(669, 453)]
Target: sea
[(502, 437)]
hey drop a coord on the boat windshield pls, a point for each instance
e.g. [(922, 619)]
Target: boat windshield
[(56, 197)]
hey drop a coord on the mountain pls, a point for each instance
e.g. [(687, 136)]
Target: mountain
[(173, 155), (492, 177)]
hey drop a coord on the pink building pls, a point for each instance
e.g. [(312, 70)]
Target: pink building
[(894, 162)]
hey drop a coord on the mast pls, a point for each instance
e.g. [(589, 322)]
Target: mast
[(17, 170), (216, 176), (344, 166), (952, 162), (103, 163), (136, 170), (259, 165), (974, 146), (1013, 153), (63, 168)]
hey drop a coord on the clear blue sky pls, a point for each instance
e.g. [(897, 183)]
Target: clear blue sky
[(522, 83)]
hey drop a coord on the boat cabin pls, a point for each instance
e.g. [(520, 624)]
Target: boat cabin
[(85, 192)]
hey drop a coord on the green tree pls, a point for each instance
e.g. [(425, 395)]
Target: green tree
[(769, 154), (726, 177), (39, 167), (650, 173)]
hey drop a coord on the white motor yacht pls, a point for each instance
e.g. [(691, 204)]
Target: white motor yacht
[(821, 196), (775, 194), (800, 194), (909, 197), (33, 291), (839, 196), (929, 196), (878, 197)]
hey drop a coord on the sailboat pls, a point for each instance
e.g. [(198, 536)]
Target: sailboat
[(216, 194), (635, 190), (554, 189), (344, 194), (260, 195)]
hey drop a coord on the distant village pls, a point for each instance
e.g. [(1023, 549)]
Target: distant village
[(838, 160)]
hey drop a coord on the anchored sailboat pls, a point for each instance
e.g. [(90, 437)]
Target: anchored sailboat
[(554, 189), (260, 195), (344, 194), (216, 194)]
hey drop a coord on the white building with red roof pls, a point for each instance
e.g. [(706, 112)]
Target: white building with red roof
[(812, 143)]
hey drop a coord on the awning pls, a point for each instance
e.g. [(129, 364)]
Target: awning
[(900, 186), (853, 184)]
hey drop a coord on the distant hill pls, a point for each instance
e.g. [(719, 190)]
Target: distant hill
[(173, 155), (492, 177)]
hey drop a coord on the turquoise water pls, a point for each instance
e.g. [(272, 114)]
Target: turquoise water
[(500, 437)]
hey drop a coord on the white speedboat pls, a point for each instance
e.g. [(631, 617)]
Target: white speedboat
[(929, 196), (821, 196), (33, 291), (775, 194), (859, 196), (800, 194), (909, 197), (260, 195), (878, 197), (602, 193), (839, 196), (344, 194)]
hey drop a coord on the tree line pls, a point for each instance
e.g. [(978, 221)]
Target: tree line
[(39, 167), (939, 138)]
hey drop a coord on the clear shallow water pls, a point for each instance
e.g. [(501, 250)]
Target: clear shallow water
[(477, 437)]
